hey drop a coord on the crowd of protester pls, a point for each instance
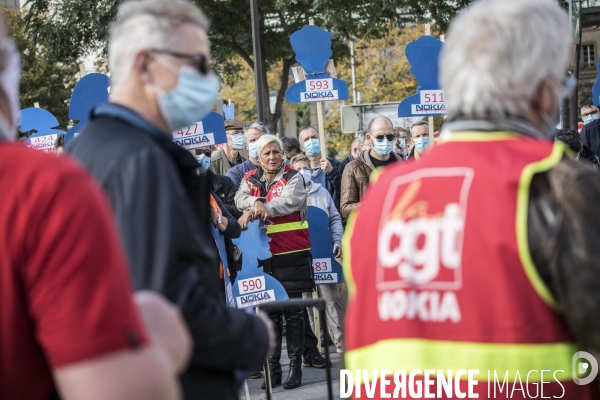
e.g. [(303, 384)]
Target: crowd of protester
[(79, 244)]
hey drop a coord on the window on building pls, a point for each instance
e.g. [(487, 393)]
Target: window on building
[(589, 56)]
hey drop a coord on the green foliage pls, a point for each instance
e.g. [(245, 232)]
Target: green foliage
[(43, 80), (75, 28)]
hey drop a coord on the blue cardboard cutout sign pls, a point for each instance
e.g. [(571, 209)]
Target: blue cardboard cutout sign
[(44, 123), (220, 240), (596, 88), (312, 46), (208, 132), (229, 111), (326, 269), (90, 91), (423, 55), (252, 286)]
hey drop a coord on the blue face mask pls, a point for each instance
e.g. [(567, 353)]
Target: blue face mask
[(191, 100), (238, 141), (384, 147), (589, 118), (252, 150), (421, 143), (312, 147), (204, 162)]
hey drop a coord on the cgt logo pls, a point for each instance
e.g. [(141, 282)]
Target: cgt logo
[(419, 245), (585, 368)]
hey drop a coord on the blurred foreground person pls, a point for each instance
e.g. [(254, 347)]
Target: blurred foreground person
[(161, 82), (69, 327), (484, 254), (582, 152), (276, 193)]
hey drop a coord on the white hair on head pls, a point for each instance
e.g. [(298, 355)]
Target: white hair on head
[(497, 54), (264, 140), (147, 24)]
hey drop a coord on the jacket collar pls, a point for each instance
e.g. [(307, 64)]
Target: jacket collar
[(185, 161), (366, 158), (508, 124)]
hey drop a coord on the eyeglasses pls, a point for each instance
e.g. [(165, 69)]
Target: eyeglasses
[(207, 152), (389, 137), (199, 61)]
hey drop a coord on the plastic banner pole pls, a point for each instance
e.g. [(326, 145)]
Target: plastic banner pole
[(430, 123)]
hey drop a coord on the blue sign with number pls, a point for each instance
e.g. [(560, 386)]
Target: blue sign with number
[(229, 111), (44, 123), (312, 46), (423, 55), (252, 286), (208, 132), (326, 269)]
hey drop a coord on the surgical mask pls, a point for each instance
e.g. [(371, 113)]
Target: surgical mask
[(238, 141), (384, 147), (312, 147), (9, 81), (252, 150), (307, 175), (421, 143), (192, 98), (589, 118), (402, 143), (204, 162)]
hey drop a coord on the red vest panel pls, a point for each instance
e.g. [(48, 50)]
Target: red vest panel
[(438, 251)]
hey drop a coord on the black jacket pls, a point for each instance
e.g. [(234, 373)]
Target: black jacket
[(161, 207), (224, 188), (590, 136), (588, 156)]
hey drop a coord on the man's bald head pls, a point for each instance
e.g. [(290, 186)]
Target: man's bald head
[(378, 123)]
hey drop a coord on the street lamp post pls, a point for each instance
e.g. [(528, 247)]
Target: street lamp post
[(260, 111)]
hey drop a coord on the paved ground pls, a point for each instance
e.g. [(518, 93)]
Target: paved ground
[(314, 382)]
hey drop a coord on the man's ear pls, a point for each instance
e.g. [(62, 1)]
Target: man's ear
[(140, 66), (545, 97)]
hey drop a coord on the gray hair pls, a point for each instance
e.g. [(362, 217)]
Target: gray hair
[(258, 126), (498, 52), (264, 140), (147, 24)]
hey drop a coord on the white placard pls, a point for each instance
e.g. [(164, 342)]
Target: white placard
[(195, 141), (432, 96), (251, 285), (323, 95), (194, 129), (252, 299), (326, 277), (319, 85), (43, 142), (322, 265)]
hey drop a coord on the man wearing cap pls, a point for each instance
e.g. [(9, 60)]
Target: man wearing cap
[(224, 159)]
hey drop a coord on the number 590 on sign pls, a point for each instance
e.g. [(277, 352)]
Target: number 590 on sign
[(251, 285)]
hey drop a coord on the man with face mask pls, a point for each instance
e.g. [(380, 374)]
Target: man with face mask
[(252, 133), (161, 81), (230, 155), (380, 134), (590, 133), (419, 138), (326, 171), (401, 136), (496, 225)]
